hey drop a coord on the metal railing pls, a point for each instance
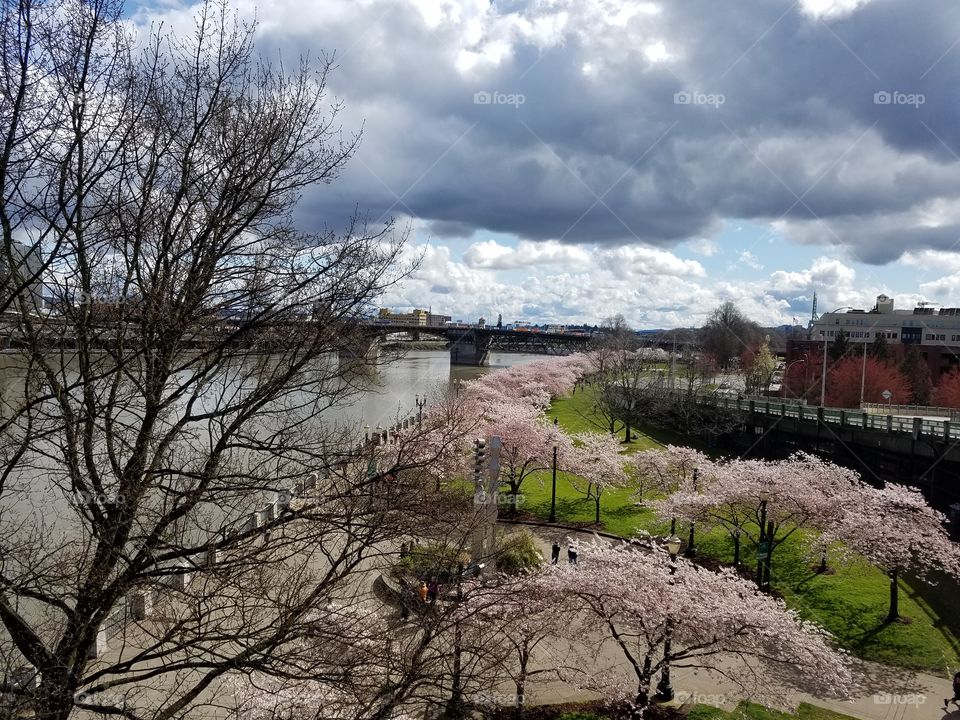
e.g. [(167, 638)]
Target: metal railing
[(917, 427)]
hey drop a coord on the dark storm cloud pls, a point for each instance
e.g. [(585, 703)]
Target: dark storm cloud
[(802, 132)]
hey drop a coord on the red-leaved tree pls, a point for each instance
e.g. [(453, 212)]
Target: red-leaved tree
[(947, 392), (844, 379)]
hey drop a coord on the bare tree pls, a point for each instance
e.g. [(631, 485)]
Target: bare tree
[(167, 481), (728, 333)]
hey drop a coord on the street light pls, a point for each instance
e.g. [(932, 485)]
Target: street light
[(691, 550), (553, 491), (762, 545), (823, 371), (664, 688), (420, 400)]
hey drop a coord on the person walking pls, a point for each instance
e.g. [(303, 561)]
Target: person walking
[(956, 694), (555, 552), (423, 591), (433, 590), (572, 553)]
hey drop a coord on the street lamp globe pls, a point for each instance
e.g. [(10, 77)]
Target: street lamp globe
[(673, 545), (764, 495)]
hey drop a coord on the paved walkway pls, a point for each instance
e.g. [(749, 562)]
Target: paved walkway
[(895, 694)]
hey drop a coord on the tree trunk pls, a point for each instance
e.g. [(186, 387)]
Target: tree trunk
[(736, 550), (597, 518), (522, 681), (894, 613)]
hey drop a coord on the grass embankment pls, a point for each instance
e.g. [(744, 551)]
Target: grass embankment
[(750, 711), (851, 603)]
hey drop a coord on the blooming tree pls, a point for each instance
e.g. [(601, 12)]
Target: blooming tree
[(742, 496), (635, 601), (526, 614), (667, 471), (895, 528), (528, 442), (597, 460)]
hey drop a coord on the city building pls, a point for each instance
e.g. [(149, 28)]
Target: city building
[(936, 332), (423, 318)]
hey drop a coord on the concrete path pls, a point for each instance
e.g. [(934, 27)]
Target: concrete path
[(894, 694)]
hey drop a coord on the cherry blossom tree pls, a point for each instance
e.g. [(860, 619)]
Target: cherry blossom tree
[(596, 459), (636, 600), (668, 470), (771, 500), (895, 528), (528, 442), (526, 615)]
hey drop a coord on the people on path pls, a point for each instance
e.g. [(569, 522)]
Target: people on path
[(403, 550), (433, 590), (572, 553), (956, 694), (423, 591), (555, 552)]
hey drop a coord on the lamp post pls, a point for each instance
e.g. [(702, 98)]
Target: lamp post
[(823, 370), (691, 550), (553, 489), (664, 688), (762, 544), (420, 400)]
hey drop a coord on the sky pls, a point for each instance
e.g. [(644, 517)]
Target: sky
[(566, 160)]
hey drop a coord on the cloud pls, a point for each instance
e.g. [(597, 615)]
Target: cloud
[(601, 152), (622, 150), (491, 255)]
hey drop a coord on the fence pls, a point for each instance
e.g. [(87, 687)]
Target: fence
[(917, 427)]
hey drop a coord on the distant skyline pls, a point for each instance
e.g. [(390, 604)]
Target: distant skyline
[(565, 161)]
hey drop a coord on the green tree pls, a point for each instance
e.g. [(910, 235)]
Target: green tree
[(757, 366), (879, 350), (840, 346), (914, 367)]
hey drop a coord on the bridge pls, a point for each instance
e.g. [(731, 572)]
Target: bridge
[(472, 345), (468, 345)]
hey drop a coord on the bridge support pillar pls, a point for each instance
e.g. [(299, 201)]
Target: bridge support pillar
[(470, 349), (360, 352)]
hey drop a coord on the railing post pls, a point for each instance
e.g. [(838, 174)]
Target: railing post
[(843, 418), (946, 430), (890, 423), (917, 427)]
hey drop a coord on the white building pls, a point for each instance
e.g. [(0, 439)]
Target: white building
[(925, 326)]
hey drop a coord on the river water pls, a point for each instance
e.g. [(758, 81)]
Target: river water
[(394, 386)]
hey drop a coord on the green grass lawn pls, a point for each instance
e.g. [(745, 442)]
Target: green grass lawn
[(851, 603), (750, 711)]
